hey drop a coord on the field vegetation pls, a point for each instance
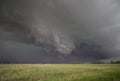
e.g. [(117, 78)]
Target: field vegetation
[(59, 72)]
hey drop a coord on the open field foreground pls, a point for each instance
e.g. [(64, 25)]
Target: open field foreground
[(59, 72)]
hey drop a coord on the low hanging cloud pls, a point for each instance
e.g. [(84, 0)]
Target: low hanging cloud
[(62, 25)]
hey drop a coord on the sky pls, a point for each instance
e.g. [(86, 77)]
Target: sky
[(55, 31)]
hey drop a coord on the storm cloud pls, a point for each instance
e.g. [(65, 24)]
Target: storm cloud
[(67, 30)]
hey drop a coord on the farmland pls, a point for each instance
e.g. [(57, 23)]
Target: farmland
[(59, 72)]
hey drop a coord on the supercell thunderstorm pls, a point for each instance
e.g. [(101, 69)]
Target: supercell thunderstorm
[(63, 26)]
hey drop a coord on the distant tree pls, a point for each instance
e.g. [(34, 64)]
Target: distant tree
[(112, 62), (115, 62)]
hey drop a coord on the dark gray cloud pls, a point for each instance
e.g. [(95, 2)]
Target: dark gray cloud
[(85, 30)]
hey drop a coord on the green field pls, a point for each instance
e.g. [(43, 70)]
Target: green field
[(59, 72)]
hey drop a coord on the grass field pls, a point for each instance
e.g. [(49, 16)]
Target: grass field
[(59, 72)]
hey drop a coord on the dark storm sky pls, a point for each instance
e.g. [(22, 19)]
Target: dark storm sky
[(59, 30)]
